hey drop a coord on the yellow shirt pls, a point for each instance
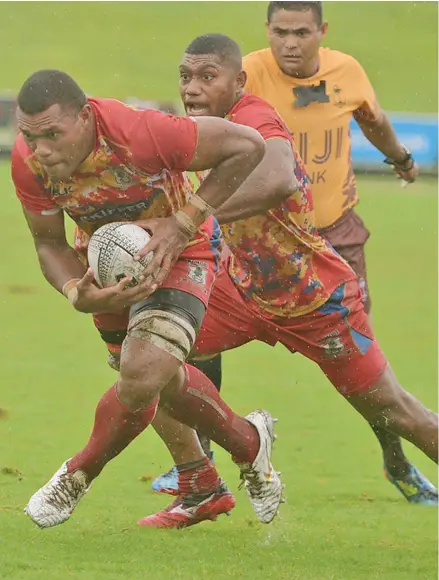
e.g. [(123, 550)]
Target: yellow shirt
[(318, 111)]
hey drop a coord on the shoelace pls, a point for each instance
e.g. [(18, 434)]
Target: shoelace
[(61, 494), (170, 474), (249, 475)]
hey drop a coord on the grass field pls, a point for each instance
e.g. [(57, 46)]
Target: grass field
[(133, 48), (342, 520)]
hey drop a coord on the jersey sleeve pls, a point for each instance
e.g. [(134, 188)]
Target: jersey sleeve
[(369, 109), (263, 118), (160, 141), (29, 191)]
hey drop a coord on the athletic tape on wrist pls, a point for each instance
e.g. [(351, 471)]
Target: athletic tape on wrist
[(193, 214), (70, 291), (69, 285), (72, 296), (186, 223), (206, 209)]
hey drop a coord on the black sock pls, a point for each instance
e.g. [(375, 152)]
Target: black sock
[(212, 368)]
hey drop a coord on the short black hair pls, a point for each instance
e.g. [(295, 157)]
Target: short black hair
[(219, 44), (48, 87), (316, 7)]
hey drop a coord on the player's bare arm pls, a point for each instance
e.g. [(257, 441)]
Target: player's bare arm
[(58, 260), (62, 268), (268, 185), (380, 133), (233, 152)]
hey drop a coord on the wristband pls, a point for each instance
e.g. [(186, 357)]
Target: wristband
[(198, 202), (186, 223), (72, 296), (193, 214), (402, 164), (70, 290)]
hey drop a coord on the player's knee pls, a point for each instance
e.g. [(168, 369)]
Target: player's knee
[(167, 322), (134, 390), (143, 374)]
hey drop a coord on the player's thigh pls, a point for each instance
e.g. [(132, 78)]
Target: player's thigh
[(193, 274), (338, 337), (228, 322), (168, 320), (161, 332)]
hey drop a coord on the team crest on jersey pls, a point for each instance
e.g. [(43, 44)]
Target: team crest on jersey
[(197, 272), (121, 176)]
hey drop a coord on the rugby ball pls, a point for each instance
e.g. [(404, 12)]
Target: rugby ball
[(111, 252)]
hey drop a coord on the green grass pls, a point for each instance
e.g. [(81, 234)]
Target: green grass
[(342, 520), (133, 48)]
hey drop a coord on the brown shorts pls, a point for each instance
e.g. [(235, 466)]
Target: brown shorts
[(348, 236)]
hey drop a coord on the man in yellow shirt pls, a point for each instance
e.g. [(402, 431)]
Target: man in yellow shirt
[(317, 91)]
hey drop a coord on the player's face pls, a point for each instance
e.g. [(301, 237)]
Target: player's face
[(295, 38), (208, 86), (59, 138)]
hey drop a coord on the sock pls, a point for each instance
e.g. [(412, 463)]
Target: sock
[(114, 428), (199, 405), (212, 368), (197, 477)]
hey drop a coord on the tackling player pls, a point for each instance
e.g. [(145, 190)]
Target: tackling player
[(317, 91), (283, 282), (98, 161)]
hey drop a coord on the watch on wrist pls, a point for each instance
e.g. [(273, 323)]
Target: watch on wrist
[(406, 163)]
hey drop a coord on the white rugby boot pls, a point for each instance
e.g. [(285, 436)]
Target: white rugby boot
[(54, 503), (262, 482)]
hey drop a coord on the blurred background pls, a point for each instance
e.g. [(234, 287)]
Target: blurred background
[(131, 51), (342, 520)]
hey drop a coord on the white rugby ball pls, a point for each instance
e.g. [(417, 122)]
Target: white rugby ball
[(111, 252)]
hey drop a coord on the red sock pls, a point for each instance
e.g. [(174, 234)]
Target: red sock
[(199, 405), (114, 428), (197, 477)]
